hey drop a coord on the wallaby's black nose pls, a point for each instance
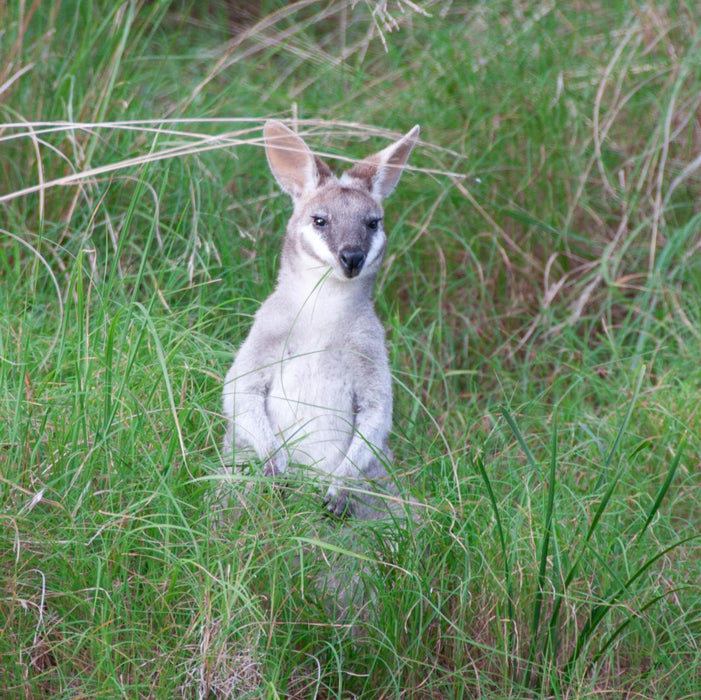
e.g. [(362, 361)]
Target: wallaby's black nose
[(352, 261)]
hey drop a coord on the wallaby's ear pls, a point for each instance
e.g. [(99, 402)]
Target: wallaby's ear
[(380, 172), (296, 169)]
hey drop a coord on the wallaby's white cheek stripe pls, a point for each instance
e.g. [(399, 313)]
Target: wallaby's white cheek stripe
[(377, 247), (316, 245)]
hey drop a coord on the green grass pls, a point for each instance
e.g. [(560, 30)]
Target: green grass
[(542, 297)]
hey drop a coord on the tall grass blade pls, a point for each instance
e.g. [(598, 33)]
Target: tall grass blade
[(553, 637), (601, 610), (664, 488), (606, 645), (511, 637), (160, 354), (544, 550), (622, 430), (517, 433)]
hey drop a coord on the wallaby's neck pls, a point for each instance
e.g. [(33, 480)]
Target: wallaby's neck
[(315, 290)]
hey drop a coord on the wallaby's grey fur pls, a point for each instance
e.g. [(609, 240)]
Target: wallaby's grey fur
[(310, 386)]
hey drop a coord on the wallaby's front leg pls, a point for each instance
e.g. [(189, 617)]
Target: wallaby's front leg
[(367, 447), (249, 427)]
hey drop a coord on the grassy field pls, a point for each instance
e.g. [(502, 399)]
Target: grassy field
[(542, 297)]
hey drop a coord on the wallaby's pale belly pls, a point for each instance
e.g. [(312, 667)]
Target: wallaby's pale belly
[(310, 404)]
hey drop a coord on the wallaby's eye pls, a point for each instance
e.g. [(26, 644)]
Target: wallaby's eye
[(319, 221), (372, 224)]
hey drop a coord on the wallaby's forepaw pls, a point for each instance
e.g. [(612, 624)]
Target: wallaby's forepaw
[(274, 466), (337, 502), (270, 469)]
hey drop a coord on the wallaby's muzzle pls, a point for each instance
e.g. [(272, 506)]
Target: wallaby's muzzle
[(352, 261)]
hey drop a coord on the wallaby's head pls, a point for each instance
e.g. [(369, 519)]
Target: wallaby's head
[(337, 222)]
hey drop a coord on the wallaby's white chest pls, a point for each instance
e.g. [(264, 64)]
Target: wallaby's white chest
[(310, 402)]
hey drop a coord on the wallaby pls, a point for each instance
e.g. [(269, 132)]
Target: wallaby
[(310, 386)]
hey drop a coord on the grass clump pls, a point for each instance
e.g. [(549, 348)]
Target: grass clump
[(541, 296)]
